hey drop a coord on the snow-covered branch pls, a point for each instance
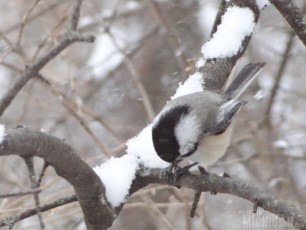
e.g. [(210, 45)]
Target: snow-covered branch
[(103, 190), (232, 32), (90, 191)]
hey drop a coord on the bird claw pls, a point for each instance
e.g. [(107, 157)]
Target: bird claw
[(174, 172), (202, 170)]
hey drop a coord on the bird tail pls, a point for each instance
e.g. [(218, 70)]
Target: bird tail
[(231, 107), (244, 78)]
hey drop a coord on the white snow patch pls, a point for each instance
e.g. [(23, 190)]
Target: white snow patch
[(262, 3), (237, 23), (200, 63), (2, 133), (117, 174), (85, 21), (193, 84), (132, 5), (282, 144), (142, 147), (105, 57)]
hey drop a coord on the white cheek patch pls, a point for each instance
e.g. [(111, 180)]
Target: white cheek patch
[(187, 132), (185, 149)]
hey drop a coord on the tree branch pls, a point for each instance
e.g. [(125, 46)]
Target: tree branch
[(89, 188), (67, 164), (221, 11), (70, 37), (293, 16), (10, 221), (44, 11), (172, 39), (24, 193), (34, 185), (278, 77), (217, 70), (213, 183)]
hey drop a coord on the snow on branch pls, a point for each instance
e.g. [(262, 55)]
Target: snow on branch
[(140, 150), (230, 37), (117, 175), (227, 44), (141, 157), (141, 166), (237, 23), (140, 153)]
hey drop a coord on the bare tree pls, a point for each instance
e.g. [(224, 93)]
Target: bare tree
[(88, 100)]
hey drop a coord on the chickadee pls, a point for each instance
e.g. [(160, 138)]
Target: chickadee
[(198, 126)]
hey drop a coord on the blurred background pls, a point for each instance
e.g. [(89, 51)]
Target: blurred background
[(104, 93)]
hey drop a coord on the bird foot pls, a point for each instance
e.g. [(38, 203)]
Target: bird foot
[(174, 172)]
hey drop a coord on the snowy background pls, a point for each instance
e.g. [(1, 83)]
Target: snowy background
[(102, 89)]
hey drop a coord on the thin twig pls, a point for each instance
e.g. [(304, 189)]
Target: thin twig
[(188, 220), (278, 78), (32, 191), (24, 22), (139, 44), (282, 66), (195, 203), (157, 205), (34, 185), (6, 39), (73, 108), (42, 173), (136, 77), (33, 69), (11, 66), (35, 16), (45, 40), (151, 205), (173, 40), (101, 119), (11, 220), (74, 20)]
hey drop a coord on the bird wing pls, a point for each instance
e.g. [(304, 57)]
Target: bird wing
[(226, 114), (243, 80)]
